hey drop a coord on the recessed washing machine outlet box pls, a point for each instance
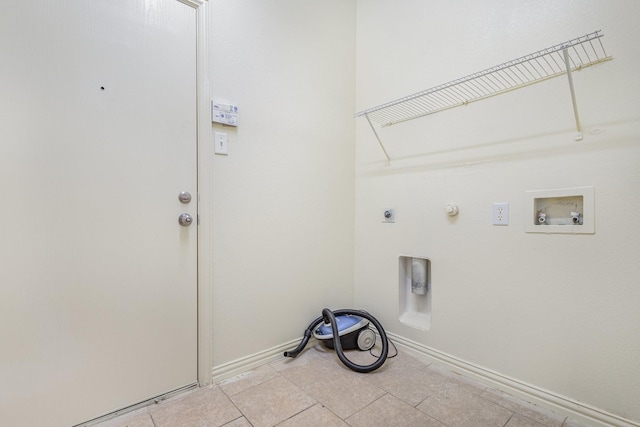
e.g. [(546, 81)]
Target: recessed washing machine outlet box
[(564, 210), (414, 292)]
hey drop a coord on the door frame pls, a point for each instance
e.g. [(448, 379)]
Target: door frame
[(204, 175)]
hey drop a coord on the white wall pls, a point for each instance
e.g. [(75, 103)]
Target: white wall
[(283, 197), (559, 312), (556, 311)]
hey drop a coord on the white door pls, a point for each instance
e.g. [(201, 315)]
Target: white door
[(97, 139)]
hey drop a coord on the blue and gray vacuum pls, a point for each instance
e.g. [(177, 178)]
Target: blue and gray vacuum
[(346, 330)]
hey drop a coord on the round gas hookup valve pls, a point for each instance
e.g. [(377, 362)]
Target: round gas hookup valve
[(451, 209)]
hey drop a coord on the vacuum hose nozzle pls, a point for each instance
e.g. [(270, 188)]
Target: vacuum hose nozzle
[(329, 317), (301, 346)]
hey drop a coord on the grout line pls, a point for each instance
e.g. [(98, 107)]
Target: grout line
[(521, 403), (505, 424), (301, 411), (236, 419), (365, 407), (337, 416)]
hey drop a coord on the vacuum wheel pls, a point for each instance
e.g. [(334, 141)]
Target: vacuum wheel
[(366, 339)]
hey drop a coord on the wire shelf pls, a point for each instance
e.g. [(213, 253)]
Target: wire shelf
[(539, 66)]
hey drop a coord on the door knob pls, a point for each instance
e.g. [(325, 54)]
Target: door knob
[(185, 219)]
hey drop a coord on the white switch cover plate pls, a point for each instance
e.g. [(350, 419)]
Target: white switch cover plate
[(501, 214), (220, 146)]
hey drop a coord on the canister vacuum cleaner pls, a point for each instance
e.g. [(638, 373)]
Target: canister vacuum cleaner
[(346, 330)]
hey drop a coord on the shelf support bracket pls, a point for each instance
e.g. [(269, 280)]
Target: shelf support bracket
[(379, 142), (567, 63)]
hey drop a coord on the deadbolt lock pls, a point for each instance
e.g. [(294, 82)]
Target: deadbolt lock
[(184, 197)]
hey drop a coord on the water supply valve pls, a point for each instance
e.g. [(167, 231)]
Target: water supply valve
[(542, 217), (576, 218)]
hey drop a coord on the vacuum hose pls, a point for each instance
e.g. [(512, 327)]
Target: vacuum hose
[(329, 317)]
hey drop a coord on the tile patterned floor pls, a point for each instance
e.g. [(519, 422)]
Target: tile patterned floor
[(316, 389)]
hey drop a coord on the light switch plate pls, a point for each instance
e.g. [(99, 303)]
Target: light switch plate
[(220, 140)]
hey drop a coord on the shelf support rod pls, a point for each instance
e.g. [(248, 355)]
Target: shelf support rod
[(578, 136), (378, 138)]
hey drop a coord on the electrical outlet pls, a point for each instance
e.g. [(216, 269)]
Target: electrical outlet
[(388, 215), (501, 214)]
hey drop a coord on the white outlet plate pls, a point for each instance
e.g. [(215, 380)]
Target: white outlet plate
[(501, 214)]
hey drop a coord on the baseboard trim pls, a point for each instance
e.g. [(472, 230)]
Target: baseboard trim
[(560, 404), (238, 366)]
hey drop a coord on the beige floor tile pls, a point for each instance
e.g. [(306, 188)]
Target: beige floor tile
[(248, 379), (355, 358), (312, 354), (401, 363), (318, 369), (331, 383), (271, 402), (529, 410), (456, 409), (205, 407), (316, 389), (411, 381), (410, 386), (366, 357), (238, 422), (344, 394), (390, 411), (518, 420), (572, 423), (303, 377), (455, 381), (137, 418), (447, 372), (316, 416)]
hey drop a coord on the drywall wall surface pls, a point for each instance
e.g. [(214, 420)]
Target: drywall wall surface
[(283, 196), (557, 311)]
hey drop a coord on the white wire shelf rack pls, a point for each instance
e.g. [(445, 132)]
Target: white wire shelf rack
[(536, 67)]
